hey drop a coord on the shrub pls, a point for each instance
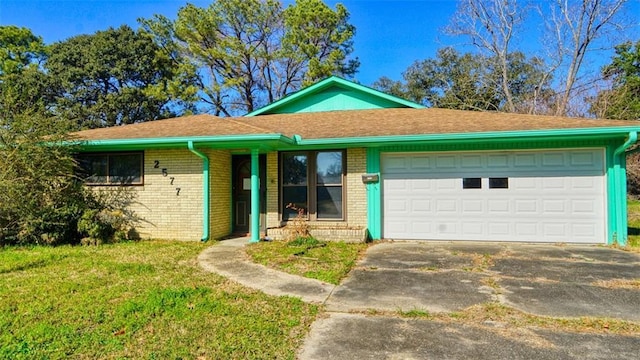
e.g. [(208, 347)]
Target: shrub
[(41, 199)]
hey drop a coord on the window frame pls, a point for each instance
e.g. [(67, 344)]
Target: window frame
[(312, 185), (108, 156)]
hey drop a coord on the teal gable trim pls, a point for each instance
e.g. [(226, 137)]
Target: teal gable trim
[(334, 94)]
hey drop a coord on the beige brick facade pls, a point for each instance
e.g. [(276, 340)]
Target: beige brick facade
[(170, 207), (220, 193), (356, 190), (273, 215)]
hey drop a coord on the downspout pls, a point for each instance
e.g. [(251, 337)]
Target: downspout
[(205, 190), (620, 195)]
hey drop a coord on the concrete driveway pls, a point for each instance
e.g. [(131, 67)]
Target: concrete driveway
[(443, 277)]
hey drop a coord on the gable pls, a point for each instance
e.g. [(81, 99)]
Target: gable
[(334, 94)]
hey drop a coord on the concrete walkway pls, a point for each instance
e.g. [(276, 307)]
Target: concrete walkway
[(228, 260)]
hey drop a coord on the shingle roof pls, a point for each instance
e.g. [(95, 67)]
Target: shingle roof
[(389, 122), (186, 126), (350, 123)]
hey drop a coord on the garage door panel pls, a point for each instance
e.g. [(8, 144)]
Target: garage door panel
[(473, 228), (473, 206), (552, 196), (421, 206)]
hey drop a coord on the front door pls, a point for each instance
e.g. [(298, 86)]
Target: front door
[(242, 192)]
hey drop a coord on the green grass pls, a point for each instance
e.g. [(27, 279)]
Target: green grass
[(512, 318), (326, 261), (633, 209), (144, 300)]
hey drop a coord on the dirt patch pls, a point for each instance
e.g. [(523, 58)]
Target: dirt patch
[(633, 284)]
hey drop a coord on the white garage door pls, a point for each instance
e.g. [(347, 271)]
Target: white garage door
[(538, 196)]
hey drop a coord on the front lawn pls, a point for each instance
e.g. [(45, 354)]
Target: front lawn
[(328, 261), (633, 216), (137, 300)]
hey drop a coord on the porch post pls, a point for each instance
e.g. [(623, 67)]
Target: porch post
[(255, 196)]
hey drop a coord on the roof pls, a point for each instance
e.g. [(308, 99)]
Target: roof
[(348, 128), (334, 93), (186, 126), (396, 122)]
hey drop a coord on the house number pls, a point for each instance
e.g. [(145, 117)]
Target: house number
[(165, 173)]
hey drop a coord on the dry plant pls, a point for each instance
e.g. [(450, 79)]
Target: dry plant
[(298, 227)]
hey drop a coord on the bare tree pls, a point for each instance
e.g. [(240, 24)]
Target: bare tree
[(491, 26), (573, 29)]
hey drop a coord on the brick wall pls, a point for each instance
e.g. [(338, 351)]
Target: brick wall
[(273, 217), (356, 190), (169, 213), (220, 192)]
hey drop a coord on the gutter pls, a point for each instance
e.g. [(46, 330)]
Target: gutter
[(222, 141), (620, 188), (205, 190), (457, 137), (633, 137)]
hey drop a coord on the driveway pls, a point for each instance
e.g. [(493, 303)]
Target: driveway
[(437, 279)]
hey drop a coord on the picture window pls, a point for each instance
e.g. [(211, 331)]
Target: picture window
[(111, 168), (313, 181)]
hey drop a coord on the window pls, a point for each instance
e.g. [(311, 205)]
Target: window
[(313, 181), (112, 168), (472, 183), (498, 183)]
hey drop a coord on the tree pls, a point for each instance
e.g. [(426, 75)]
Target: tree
[(247, 53), (39, 196), (491, 26), (573, 27), (622, 100), (115, 77), (19, 48), (471, 82)]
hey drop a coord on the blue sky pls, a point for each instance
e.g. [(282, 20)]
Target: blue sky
[(390, 35)]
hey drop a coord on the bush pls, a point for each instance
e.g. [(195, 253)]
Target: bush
[(97, 226), (41, 199)]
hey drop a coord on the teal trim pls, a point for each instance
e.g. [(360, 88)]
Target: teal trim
[(263, 141), (255, 195), (334, 93), (619, 193), (374, 196), (461, 138), (205, 191), (611, 197)]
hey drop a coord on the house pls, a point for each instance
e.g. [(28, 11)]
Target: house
[(363, 164)]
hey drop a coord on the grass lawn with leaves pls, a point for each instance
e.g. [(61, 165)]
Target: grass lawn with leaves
[(137, 300), (328, 261), (633, 216)]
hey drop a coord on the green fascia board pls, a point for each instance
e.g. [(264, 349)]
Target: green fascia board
[(504, 136), (327, 83), (261, 141)]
